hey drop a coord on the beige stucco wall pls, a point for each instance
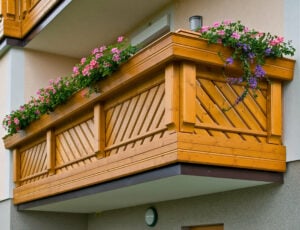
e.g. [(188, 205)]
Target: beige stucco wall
[(267, 15), (4, 156), (40, 67)]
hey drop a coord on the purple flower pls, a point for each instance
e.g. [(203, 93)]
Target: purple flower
[(259, 71), (229, 61), (268, 51), (253, 82), (246, 47), (251, 55), (234, 80)]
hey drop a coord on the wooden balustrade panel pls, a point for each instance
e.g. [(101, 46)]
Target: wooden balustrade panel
[(136, 121), (74, 146), (33, 163), (33, 11), (245, 121)]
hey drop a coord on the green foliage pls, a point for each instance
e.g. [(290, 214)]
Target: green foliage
[(102, 62)]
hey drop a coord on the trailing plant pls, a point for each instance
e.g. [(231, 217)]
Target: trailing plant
[(250, 47), (102, 62)]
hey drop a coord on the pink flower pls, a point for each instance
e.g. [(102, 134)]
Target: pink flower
[(219, 41), (38, 92), (116, 57), (86, 71), (120, 39), (96, 50), (98, 55), (221, 32), (22, 108), (115, 50), (204, 29), (75, 70), (260, 34), (102, 48), (216, 24), (246, 29), (227, 22), (57, 80), (82, 61), (93, 64), (51, 81), (280, 39), (236, 35), (273, 42), (16, 121)]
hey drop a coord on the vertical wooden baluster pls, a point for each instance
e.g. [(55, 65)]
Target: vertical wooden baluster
[(275, 113), (187, 97), (172, 96), (16, 167), (99, 123), (51, 152)]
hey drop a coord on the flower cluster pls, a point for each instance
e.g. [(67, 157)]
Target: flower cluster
[(250, 48), (102, 62)]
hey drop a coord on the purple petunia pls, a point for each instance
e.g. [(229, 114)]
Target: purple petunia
[(252, 82), (268, 51), (229, 61), (259, 71)]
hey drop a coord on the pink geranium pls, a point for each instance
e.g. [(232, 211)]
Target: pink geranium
[(16, 121), (216, 24), (204, 29), (236, 35), (221, 32), (120, 39)]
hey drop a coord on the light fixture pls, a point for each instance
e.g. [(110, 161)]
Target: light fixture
[(151, 216), (195, 22)]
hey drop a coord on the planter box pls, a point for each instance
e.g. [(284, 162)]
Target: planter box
[(163, 106)]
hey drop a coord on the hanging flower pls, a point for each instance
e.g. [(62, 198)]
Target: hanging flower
[(249, 47)]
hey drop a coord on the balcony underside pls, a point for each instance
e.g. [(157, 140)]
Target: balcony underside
[(171, 182)]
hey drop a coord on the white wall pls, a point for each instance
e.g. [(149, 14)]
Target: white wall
[(23, 72), (12, 81), (4, 156), (291, 89)]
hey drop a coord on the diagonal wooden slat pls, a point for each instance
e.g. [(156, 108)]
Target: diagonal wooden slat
[(135, 117), (213, 109), (33, 161), (75, 143), (214, 95)]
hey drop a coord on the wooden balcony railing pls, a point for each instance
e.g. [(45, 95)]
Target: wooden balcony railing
[(17, 17), (163, 106)]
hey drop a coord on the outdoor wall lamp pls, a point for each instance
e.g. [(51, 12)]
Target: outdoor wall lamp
[(151, 217), (195, 22)]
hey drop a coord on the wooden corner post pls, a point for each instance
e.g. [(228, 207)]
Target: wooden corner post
[(275, 113), (187, 97), (16, 167), (172, 96)]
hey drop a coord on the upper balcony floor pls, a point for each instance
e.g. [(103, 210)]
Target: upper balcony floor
[(161, 114)]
